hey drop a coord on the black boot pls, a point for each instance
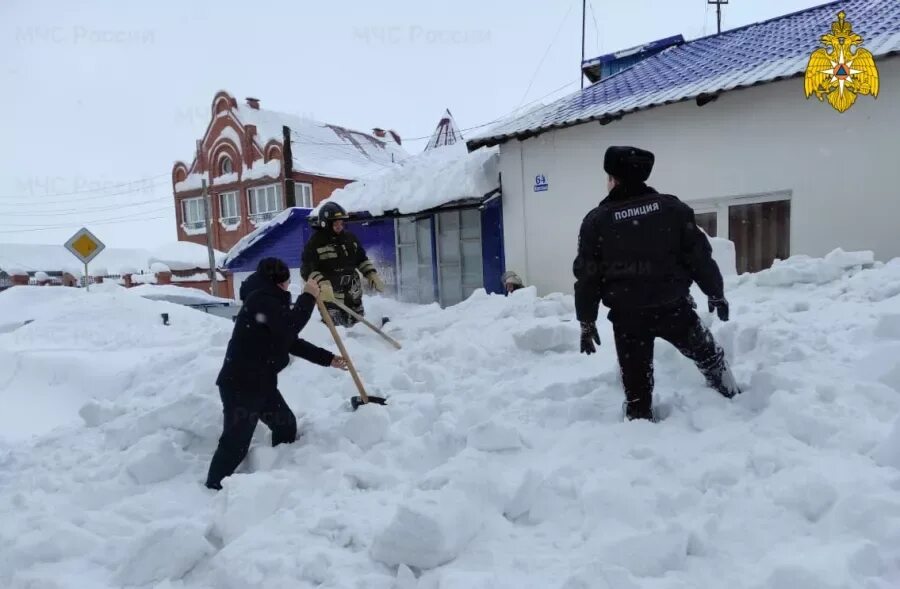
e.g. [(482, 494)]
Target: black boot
[(638, 409)]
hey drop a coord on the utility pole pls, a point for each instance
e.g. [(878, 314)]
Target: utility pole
[(209, 241), (718, 4), (580, 66)]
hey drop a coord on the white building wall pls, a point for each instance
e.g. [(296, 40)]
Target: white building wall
[(842, 171)]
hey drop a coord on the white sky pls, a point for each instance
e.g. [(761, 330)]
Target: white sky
[(100, 93)]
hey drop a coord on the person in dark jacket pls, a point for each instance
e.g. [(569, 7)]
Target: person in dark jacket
[(638, 253), (264, 337), (335, 258)]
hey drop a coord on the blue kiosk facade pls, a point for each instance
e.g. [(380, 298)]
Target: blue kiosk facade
[(441, 255)]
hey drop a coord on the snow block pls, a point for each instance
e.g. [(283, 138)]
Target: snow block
[(247, 500), (800, 269), (548, 336), (367, 426), (723, 253), (493, 437), (97, 413), (888, 326), (154, 460), (520, 503), (650, 555), (166, 552), (888, 452), (600, 576), (430, 530), (798, 577), (847, 260), (805, 493)]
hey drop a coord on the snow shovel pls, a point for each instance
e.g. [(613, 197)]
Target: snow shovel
[(368, 324), (363, 398)]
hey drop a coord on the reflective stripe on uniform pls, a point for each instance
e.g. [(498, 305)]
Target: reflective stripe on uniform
[(367, 267)]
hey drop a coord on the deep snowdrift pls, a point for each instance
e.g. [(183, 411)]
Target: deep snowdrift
[(501, 461)]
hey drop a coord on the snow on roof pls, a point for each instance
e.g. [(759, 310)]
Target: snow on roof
[(446, 132), (322, 149), (185, 255), (428, 180), (251, 238), (56, 258), (194, 181), (759, 53)]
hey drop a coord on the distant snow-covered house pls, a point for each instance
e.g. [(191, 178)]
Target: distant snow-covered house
[(432, 227), (184, 263), (258, 162), (54, 264), (774, 172)]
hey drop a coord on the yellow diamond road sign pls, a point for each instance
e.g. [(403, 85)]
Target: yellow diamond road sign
[(85, 245)]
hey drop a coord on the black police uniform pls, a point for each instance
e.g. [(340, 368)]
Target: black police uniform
[(638, 253), (265, 334), (335, 258)]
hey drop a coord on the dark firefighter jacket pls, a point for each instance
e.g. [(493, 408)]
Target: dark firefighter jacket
[(334, 257)]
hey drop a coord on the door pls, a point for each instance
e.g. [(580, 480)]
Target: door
[(414, 253), (760, 232), (458, 255)]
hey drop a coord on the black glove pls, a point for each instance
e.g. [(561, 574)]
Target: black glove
[(589, 337), (720, 306)]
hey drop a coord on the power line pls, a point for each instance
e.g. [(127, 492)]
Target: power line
[(546, 53), (117, 218), (92, 190), (596, 26), (37, 201), (57, 213), (54, 227)]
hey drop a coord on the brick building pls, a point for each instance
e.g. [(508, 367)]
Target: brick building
[(257, 163)]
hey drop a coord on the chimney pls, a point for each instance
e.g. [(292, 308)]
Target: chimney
[(253, 103), (378, 132)]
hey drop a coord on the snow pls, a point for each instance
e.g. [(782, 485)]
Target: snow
[(263, 169), (185, 255), (176, 294), (159, 268), (430, 179), (497, 463), (38, 276), (16, 271), (226, 179), (198, 277), (193, 181), (56, 258), (321, 149)]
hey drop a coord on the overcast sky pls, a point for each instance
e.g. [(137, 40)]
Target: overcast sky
[(98, 94)]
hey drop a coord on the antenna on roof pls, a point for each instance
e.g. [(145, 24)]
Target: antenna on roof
[(581, 66), (718, 4)]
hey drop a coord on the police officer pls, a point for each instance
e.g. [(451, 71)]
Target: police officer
[(332, 257), (638, 253)]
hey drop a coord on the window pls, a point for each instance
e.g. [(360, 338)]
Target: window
[(708, 222), (225, 165), (760, 232), (265, 202), (304, 195), (192, 210), (228, 207)]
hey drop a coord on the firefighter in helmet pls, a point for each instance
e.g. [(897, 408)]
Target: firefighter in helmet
[(335, 259)]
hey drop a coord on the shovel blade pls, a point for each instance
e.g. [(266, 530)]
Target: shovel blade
[(355, 402)]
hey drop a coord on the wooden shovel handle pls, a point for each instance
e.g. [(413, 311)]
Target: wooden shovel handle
[(366, 322), (337, 339)]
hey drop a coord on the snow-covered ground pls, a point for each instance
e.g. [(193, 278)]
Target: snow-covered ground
[(500, 462)]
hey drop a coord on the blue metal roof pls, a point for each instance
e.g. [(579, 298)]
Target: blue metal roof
[(759, 53)]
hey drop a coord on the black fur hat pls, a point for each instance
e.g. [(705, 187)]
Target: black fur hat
[(629, 164), (274, 269)]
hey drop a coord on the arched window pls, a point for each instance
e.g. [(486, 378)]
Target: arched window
[(225, 165)]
